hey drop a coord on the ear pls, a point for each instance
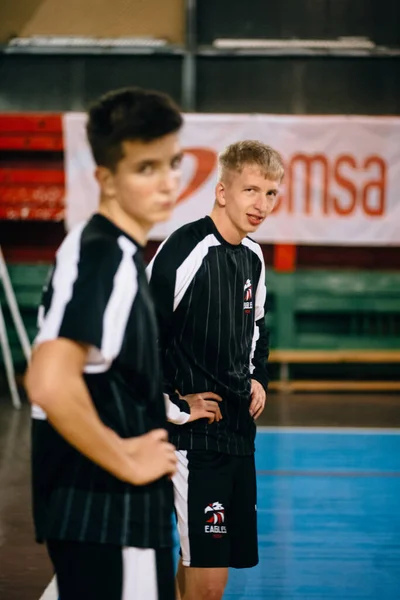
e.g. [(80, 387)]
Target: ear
[(220, 193), (105, 179)]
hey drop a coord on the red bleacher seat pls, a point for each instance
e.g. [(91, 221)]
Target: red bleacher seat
[(32, 181)]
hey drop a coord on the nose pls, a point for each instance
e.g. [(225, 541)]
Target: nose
[(260, 204), (265, 204), (169, 182)]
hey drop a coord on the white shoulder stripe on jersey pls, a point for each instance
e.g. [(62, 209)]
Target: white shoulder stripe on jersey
[(119, 305), (63, 283), (254, 247), (115, 316), (188, 269), (65, 274), (261, 294)]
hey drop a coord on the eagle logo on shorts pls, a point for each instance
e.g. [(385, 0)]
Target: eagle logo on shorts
[(218, 513)]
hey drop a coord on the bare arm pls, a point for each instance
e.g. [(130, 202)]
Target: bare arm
[(54, 382)]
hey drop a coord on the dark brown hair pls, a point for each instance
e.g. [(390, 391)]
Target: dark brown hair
[(129, 114)]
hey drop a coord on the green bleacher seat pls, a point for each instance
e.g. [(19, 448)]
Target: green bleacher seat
[(308, 309)]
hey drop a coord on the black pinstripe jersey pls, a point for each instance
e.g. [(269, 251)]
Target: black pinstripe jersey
[(209, 297), (98, 295)]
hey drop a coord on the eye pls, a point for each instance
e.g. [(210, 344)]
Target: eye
[(176, 163), (146, 169)]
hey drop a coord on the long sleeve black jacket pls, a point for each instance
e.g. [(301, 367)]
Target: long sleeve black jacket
[(209, 297)]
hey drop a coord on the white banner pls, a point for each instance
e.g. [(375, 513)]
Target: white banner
[(342, 181)]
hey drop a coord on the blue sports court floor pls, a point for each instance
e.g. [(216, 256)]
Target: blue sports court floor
[(328, 506), (329, 516)]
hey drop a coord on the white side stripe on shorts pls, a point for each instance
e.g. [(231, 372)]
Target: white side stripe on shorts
[(181, 486), (51, 592), (139, 574)]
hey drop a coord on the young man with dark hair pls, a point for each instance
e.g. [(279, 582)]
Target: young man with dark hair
[(208, 285), (102, 463)]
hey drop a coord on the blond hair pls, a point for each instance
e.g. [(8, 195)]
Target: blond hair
[(251, 152)]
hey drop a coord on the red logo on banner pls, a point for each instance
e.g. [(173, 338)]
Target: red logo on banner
[(342, 184), (206, 161)]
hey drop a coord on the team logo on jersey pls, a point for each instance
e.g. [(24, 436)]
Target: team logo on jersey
[(248, 296), (216, 516)]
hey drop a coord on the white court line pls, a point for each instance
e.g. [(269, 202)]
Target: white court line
[(333, 430), (51, 592)]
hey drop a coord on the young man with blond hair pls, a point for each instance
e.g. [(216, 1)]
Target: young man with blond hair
[(208, 285)]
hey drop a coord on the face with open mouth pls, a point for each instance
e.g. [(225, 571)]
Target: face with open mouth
[(248, 197)]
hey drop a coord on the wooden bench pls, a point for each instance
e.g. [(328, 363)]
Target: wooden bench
[(287, 357)]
